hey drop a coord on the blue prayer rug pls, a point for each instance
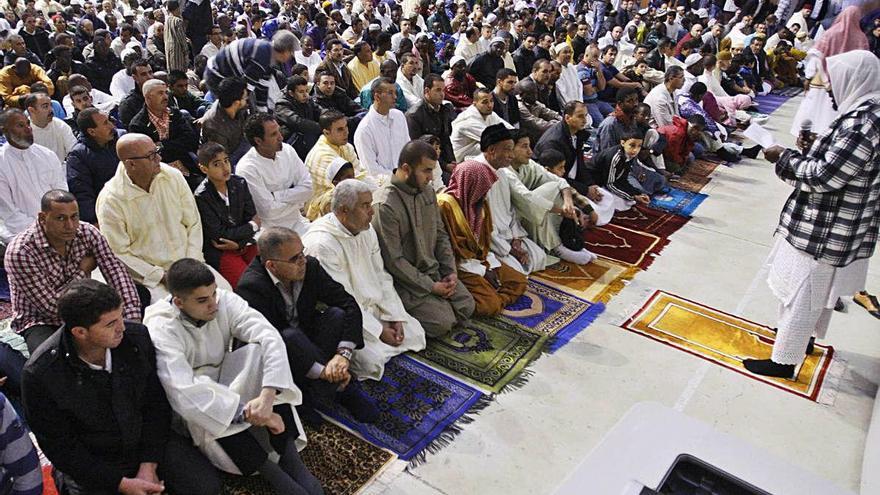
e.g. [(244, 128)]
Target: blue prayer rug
[(545, 310), (768, 104), (677, 201), (419, 408)]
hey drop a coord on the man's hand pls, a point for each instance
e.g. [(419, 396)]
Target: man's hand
[(258, 411), (275, 424), (518, 252), (136, 486), (335, 369), (568, 209), (492, 278), (441, 289), (804, 145), (225, 244), (88, 265), (772, 153), (180, 166), (257, 220), (643, 199), (392, 333), (147, 472), (594, 194)]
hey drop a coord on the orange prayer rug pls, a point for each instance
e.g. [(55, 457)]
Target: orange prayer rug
[(727, 340), (598, 281)]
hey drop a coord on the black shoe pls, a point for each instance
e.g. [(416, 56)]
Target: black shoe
[(839, 306), (751, 152), (767, 367), (361, 408), (811, 346)]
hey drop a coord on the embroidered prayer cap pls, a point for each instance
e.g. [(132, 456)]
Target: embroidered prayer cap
[(692, 59), (494, 134), (335, 166), (456, 59), (497, 39)]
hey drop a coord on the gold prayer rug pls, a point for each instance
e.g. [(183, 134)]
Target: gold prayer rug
[(696, 176), (342, 462), (725, 340), (598, 281)]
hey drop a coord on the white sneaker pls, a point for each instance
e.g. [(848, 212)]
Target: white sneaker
[(581, 257)]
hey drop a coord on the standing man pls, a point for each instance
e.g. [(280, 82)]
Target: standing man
[(278, 180), (828, 228)]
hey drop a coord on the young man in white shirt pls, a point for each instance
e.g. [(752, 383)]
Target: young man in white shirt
[(49, 131)]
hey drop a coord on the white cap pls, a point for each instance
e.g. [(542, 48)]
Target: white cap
[(692, 59)]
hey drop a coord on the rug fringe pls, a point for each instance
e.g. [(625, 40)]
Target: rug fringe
[(562, 338), (617, 285), (448, 435)]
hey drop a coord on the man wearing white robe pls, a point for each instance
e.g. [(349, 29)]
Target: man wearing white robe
[(224, 396), (278, 180), (382, 133), (348, 249), (468, 127), (510, 241)]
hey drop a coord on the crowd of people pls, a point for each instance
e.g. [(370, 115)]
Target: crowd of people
[(218, 216)]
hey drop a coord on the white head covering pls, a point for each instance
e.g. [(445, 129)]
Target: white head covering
[(456, 59), (692, 59), (855, 78), (334, 168)]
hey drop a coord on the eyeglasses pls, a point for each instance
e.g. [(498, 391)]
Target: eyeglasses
[(301, 257), (154, 155)]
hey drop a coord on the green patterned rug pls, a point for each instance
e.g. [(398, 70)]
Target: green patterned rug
[(490, 353)]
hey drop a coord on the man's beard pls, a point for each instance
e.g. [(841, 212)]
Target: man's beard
[(20, 142), (413, 182)]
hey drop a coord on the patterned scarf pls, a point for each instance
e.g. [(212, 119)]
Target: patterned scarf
[(469, 184), (161, 123)]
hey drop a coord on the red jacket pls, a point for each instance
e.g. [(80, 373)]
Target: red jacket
[(460, 93), (679, 145)]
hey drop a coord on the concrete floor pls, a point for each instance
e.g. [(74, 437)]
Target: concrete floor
[(530, 439)]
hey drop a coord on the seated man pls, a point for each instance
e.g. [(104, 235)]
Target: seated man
[(22, 473), (332, 145), (133, 102), (459, 86), (223, 122), (178, 84), (94, 402), (468, 220), (99, 99), (388, 70), (53, 252), (92, 161), (287, 287), (149, 215), (277, 178), (170, 129), (415, 245), (470, 124), (229, 218), (542, 200), (433, 116), (229, 402), (16, 81), (382, 134), (330, 97), (535, 117), (510, 241), (49, 131), (347, 247), (682, 138), (297, 115)]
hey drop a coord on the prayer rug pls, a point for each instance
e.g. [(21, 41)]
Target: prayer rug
[(723, 339), (677, 201), (418, 407), (768, 104), (626, 245), (545, 310), (490, 353), (696, 176), (598, 281), (650, 220), (342, 461), (788, 92)]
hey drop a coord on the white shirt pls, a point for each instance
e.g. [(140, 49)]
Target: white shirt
[(101, 100), (663, 105), (280, 187), (569, 85), (57, 136), (312, 61), (467, 49), (396, 38), (209, 50), (121, 84), (379, 139), (413, 90), (25, 175)]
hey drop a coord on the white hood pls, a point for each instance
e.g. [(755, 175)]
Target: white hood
[(855, 78)]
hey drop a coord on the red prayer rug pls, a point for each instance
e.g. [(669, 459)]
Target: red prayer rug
[(623, 244), (649, 220)]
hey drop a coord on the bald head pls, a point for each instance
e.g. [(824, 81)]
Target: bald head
[(132, 144)]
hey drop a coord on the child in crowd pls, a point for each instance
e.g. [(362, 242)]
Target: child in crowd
[(571, 232), (229, 217), (338, 171)]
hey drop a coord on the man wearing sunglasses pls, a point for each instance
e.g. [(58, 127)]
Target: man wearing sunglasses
[(149, 216)]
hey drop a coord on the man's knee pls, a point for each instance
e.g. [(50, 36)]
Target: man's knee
[(186, 470)]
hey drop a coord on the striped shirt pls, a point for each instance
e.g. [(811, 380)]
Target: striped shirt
[(249, 59), (20, 472)]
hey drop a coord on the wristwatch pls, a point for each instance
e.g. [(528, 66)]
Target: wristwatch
[(344, 352)]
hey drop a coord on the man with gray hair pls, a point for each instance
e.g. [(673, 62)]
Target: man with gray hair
[(252, 59), (347, 247)]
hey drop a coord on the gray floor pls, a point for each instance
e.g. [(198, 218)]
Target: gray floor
[(532, 438)]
